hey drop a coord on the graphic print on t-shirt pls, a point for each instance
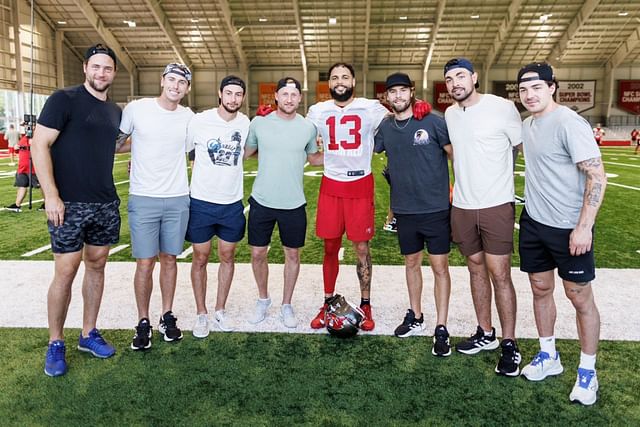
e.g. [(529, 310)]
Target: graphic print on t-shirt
[(421, 137), (225, 151)]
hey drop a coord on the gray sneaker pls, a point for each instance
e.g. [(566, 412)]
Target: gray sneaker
[(262, 306), (221, 321), (287, 316), (201, 327)]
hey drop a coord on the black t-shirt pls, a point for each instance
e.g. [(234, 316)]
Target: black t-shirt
[(83, 153), (417, 163)]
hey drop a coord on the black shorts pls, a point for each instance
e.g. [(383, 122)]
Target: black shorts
[(192, 155), (96, 224), (543, 248), (417, 229), (22, 180), (292, 225)]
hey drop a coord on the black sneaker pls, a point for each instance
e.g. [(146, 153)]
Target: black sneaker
[(478, 342), (142, 338), (41, 208), (441, 346), (13, 208), (509, 363), (168, 327), (410, 325)]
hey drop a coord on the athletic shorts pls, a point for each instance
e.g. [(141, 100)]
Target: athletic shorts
[(489, 230), (96, 224), (157, 224), (22, 180), (543, 248), (417, 229), (292, 225), (212, 219), (192, 155), (335, 215)]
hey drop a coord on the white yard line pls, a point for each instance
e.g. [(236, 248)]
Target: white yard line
[(117, 249), (37, 251), (185, 253), (621, 164), (516, 226), (623, 186)]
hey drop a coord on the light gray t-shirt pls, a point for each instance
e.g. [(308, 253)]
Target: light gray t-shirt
[(554, 187), (282, 146)]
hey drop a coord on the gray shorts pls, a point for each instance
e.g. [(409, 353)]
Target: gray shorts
[(157, 224)]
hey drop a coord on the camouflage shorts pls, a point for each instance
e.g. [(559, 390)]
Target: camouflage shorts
[(95, 224)]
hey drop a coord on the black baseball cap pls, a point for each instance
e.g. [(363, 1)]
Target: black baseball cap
[(542, 69), (460, 63), (398, 79), (288, 81), (100, 49), (233, 80)]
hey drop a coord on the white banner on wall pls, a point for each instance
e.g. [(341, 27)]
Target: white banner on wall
[(579, 95)]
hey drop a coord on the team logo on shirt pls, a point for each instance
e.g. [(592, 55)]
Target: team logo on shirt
[(225, 152), (421, 137)]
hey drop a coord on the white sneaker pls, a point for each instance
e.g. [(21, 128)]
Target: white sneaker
[(261, 310), (201, 327), (287, 316), (585, 389), (221, 321), (542, 366)]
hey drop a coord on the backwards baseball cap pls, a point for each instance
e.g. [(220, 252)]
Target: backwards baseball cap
[(179, 69), (542, 69), (289, 82), (102, 49), (458, 63), (233, 80), (398, 79)]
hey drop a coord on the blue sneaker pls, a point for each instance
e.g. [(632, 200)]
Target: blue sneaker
[(586, 387), (542, 366), (55, 364), (96, 345)]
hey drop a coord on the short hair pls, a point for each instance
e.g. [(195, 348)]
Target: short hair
[(342, 64)]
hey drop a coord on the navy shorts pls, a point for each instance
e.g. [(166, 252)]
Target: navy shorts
[(543, 248), (416, 230), (292, 225), (96, 224), (212, 219)]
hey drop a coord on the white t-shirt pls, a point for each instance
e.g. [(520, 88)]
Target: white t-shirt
[(158, 146), (347, 136), (217, 174), (483, 137)]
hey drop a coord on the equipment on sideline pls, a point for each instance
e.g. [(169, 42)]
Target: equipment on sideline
[(343, 318)]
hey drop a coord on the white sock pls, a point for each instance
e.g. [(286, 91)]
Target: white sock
[(548, 345), (587, 361)]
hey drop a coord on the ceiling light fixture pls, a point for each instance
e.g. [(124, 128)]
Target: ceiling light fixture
[(262, 19), (195, 20), (131, 24), (545, 17), (403, 18), (62, 22), (475, 16), (333, 21), (623, 13)]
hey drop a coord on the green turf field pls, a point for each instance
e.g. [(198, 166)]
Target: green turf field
[(617, 233), (290, 379)]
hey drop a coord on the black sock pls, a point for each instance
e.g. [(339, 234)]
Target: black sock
[(327, 299), (365, 301)]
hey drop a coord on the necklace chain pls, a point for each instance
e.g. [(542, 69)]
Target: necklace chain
[(405, 125)]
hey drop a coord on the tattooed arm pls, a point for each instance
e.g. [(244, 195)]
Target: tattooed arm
[(580, 240), (123, 143)]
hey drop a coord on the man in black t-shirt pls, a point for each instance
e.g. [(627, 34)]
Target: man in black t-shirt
[(73, 148), (417, 152)]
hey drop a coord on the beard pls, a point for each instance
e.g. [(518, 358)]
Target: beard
[(464, 95), (401, 108), (348, 93), (231, 110), (98, 86)]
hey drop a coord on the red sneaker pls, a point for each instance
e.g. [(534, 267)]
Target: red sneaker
[(368, 323), (318, 321)]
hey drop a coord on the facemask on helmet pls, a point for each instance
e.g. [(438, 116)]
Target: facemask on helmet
[(343, 318)]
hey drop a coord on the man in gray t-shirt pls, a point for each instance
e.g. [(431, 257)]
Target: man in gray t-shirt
[(419, 176), (564, 187)]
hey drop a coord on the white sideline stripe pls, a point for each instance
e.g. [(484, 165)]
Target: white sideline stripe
[(37, 251), (117, 249), (638, 252), (516, 226), (623, 186), (120, 161), (341, 254), (185, 253), (246, 209), (120, 182), (621, 164)]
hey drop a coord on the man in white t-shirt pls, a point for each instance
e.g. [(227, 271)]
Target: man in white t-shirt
[(155, 130), (483, 130), (218, 136)]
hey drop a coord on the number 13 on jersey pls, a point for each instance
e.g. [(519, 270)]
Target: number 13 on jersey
[(352, 125)]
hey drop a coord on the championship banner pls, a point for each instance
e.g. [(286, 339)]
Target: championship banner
[(629, 96), (579, 95), (441, 98), (266, 94), (322, 91), (509, 90)]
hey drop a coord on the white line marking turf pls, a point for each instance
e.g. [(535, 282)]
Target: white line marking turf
[(623, 186), (117, 249), (185, 253), (37, 251)]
